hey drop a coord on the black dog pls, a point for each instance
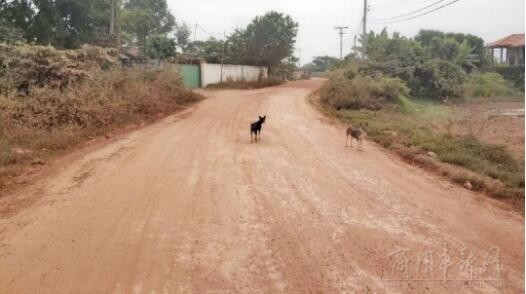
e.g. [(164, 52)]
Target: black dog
[(255, 128)]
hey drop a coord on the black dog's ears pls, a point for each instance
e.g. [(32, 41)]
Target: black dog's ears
[(262, 117)]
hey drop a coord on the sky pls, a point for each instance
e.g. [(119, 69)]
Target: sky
[(489, 19)]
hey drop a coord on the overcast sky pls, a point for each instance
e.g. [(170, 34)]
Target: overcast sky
[(489, 19)]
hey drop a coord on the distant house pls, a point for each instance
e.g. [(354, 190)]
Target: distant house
[(511, 49)]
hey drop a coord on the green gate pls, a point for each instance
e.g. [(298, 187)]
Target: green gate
[(191, 75)]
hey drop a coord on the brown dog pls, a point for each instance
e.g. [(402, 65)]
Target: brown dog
[(358, 134)]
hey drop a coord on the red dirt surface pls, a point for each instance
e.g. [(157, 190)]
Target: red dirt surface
[(188, 205)]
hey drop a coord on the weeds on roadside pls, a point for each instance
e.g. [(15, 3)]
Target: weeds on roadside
[(246, 85), (411, 131), (489, 84), (46, 120)]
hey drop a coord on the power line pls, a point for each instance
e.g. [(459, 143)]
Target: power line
[(382, 6), (356, 34), (411, 12), (205, 31), (418, 15), (210, 35)]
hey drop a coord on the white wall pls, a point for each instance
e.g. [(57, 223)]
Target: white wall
[(211, 73)]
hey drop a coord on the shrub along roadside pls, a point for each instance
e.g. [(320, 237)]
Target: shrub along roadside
[(23, 67), (349, 90), (47, 120), (247, 85), (511, 73), (489, 84), (489, 168)]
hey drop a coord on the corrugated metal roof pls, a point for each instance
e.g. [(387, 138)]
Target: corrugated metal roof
[(515, 40)]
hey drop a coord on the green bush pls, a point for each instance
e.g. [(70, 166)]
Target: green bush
[(437, 78), (361, 91), (390, 88), (488, 84), (512, 73)]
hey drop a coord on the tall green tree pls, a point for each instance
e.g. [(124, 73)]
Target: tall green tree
[(209, 49), (144, 18), (160, 47), (15, 19), (469, 48), (321, 63), (182, 36), (269, 39), (61, 23), (236, 48)]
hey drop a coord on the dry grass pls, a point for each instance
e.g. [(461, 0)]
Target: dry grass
[(28, 66), (47, 120)]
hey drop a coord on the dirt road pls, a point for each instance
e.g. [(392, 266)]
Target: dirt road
[(188, 205)]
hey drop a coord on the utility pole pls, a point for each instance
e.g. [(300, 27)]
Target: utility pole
[(195, 31), (341, 32), (364, 37)]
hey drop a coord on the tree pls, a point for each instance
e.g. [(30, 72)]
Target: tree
[(286, 68), (476, 57), (398, 50), (143, 18), (424, 37), (270, 39), (209, 49), (440, 79), (323, 63), (61, 23), (15, 19), (450, 49), (10, 33), (432, 64), (182, 36), (160, 47), (236, 48)]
